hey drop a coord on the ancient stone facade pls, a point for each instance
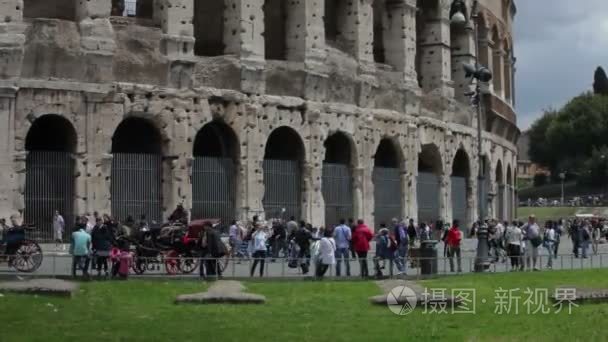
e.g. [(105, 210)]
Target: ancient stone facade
[(374, 70)]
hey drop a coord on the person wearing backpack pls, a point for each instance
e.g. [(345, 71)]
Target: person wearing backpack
[(385, 250)]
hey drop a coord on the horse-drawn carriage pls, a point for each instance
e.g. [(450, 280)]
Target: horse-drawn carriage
[(173, 245), (21, 253)]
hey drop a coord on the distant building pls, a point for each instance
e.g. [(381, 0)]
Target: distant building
[(526, 169)]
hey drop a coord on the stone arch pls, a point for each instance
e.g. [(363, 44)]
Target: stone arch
[(215, 172), (284, 157), (51, 142), (336, 24), (485, 187), (387, 180), (482, 37), (338, 181), (462, 191), (430, 171), (137, 172)]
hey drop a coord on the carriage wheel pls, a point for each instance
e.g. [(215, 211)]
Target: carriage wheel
[(140, 265), (172, 262), (28, 257), (188, 263)]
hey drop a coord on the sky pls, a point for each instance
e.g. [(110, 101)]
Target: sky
[(558, 44)]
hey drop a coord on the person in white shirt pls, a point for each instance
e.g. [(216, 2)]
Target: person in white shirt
[(513, 238), (259, 239), (548, 241), (58, 229), (326, 255)]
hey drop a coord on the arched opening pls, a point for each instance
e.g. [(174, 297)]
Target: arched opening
[(428, 189), (500, 183), (214, 172), (208, 25), (275, 29), (497, 62), (427, 45), (510, 195), (337, 178), (388, 197), (379, 11), (136, 184), (49, 173), (461, 188), (482, 38), (133, 8), (283, 160), (336, 24), (60, 9)]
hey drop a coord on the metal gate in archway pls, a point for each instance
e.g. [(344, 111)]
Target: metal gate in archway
[(387, 194), (428, 197), (213, 188), (136, 186), (337, 193), (459, 200), (283, 186), (49, 186)]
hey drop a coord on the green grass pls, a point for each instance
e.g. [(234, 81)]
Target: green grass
[(554, 213), (296, 311)]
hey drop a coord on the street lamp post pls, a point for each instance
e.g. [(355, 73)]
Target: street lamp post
[(562, 177), (479, 74)]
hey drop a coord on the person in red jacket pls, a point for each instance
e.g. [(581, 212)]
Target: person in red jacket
[(361, 238), (453, 240)]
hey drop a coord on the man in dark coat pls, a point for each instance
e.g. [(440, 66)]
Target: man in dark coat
[(212, 249)]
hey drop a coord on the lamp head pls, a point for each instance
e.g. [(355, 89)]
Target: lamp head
[(458, 19)]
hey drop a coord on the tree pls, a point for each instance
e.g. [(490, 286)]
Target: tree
[(539, 150), (595, 170), (600, 82)]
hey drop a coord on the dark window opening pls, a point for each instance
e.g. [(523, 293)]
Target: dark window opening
[(133, 8), (60, 9), (51, 133), (499, 178), (427, 11), (136, 135), (460, 168), (275, 29), (284, 144), (337, 149), (386, 155), (209, 27), (331, 20), (216, 139), (379, 12), (429, 160)]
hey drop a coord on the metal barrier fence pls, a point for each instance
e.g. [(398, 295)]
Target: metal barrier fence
[(60, 265)]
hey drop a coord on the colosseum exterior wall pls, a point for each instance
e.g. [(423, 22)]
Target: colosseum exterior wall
[(94, 67)]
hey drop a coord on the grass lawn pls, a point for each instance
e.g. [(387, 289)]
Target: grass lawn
[(554, 213), (296, 311)]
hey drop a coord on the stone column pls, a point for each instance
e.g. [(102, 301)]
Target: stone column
[(445, 197), (358, 192), (243, 36), (400, 37), (8, 183), (306, 43), (411, 173), (463, 51), (486, 57), (435, 54), (252, 158), (12, 38), (177, 164), (97, 38), (177, 41)]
